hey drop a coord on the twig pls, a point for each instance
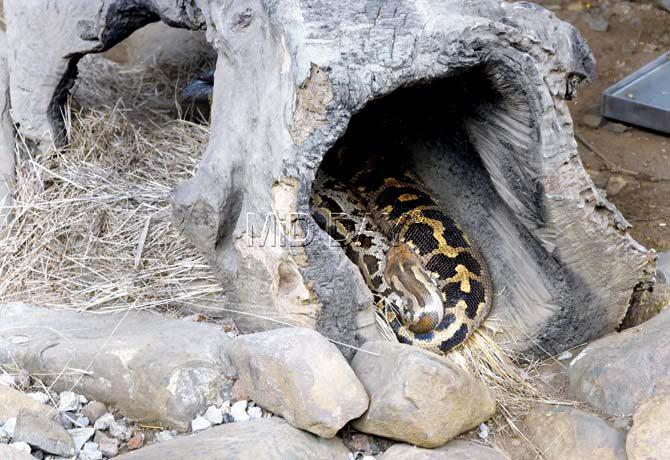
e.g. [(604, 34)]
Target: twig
[(615, 168)]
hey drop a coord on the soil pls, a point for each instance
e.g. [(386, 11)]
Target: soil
[(637, 34)]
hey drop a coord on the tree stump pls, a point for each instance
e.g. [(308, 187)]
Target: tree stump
[(476, 91)]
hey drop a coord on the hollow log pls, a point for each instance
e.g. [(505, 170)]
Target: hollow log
[(475, 91)]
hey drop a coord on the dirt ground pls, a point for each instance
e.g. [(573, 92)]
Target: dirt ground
[(636, 34)]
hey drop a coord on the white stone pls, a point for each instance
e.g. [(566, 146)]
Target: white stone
[(7, 380), (40, 397), (255, 412), (200, 423), (483, 431), (564, 356), (165, 435), (103, 422), (239, 411), (225, 407), (69, 402), (214, 415)]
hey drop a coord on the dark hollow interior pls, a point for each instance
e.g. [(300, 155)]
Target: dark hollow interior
[(470, 138)]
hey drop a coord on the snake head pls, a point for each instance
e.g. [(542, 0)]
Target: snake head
[(422, 308)]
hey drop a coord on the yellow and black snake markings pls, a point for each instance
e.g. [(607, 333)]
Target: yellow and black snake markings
[(416, 254)]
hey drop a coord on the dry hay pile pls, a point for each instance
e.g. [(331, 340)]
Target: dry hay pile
[(92, 224)]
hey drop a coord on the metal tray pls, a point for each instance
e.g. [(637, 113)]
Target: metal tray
[(643, 97)]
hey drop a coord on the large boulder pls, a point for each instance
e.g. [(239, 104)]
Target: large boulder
[(617, 372), (296, 373), (649, 438), (418, 397), (565, 433), (453, 450), (271, 439), (154, 369), (6, 136)]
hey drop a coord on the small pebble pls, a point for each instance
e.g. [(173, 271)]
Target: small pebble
[(82, 422), (592, 121), (483, 431), (94, 410), (69, 402), (214, 415), (91, 451), (596, 23), (564, 356), (107, 445), (165, 435), (200, 423), (227, 418), (136, 441), (40, 397), (239, 411), (103, 422), (119, 430), (615, 184), (617, 128), (255, 412)]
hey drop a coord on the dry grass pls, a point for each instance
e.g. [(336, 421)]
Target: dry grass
[(92, 229)]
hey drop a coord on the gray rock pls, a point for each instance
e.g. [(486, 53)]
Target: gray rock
[(186, 377), (104, 422), (565, 433), (44, 433), (68, 402), (20, 445), (90, 451), (615, 184), (80, 436), (663, 266), (7, 452), (165, 435), (12, 401), (649, 438), (418, 397), (596, 22), (82, 422), (107, 445), (298, 374), (94, 410), (267, 439), (617, 128), (453, 450), (617, 372), (592, 120), (120, 430)]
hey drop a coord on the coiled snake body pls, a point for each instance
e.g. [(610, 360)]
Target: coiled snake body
[(432, 286)]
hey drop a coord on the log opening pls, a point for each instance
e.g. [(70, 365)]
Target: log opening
[(472, 137)]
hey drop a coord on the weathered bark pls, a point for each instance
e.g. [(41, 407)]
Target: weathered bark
[(475, 90), (6, 137)]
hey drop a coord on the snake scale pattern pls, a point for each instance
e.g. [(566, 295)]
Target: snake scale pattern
[(431, 285)]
